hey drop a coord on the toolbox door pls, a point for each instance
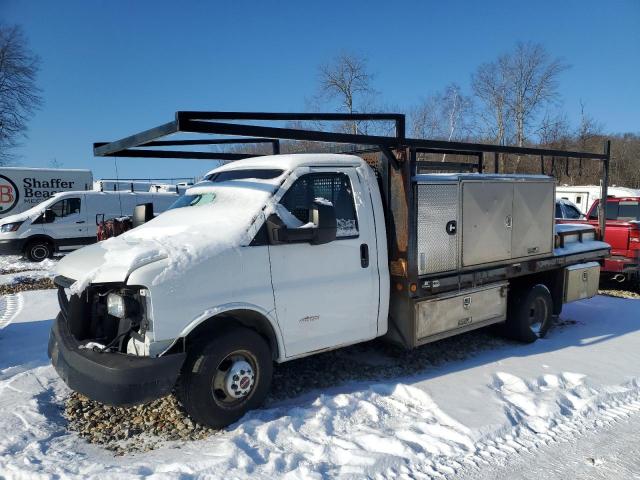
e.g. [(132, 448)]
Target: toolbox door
[(487, 221), (437, 228)]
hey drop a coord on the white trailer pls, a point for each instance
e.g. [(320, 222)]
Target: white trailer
[(583, 196), (24, 188)]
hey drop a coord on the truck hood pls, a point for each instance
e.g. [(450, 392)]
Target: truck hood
[(181, 237), (20, 217), (95, 263)]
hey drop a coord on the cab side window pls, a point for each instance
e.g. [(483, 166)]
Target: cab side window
[(334, 187), (66, 207)]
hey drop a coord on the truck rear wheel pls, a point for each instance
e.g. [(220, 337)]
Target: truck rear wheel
[(38, 250), (224, 378), (529, 314)]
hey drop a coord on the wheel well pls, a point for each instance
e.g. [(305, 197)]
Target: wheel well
[(553, 280), (234, 318), (35, 238)]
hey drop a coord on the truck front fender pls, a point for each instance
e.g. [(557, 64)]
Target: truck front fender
[(246, 314)]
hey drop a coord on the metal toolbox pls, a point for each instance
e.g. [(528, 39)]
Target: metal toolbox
[(464, 310), (463, 222), (437, 227), (581, 281)]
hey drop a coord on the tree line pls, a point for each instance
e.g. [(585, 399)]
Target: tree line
[(513, 100)]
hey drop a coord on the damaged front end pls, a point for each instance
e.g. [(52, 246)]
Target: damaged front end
[(99, 345)]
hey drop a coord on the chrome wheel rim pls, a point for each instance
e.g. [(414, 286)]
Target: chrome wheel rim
[(537, 315), (235, 379), (39, 252)]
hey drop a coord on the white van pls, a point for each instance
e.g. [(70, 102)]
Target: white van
[(68, 220), (24, 188), (583, 196)]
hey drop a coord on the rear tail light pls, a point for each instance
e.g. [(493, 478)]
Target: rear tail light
[(634, 238)]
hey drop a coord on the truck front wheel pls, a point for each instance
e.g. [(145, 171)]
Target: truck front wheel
[(224, 378), (38, 250), (529, 314)]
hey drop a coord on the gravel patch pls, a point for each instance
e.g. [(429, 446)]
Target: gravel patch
[(134, 429), (7, 271), (620, 290), (146, 427), (21, 284), (619, 293)]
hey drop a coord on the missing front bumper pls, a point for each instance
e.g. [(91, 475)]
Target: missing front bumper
[(111, 378)]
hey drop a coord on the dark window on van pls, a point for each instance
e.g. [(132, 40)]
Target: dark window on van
[(252, 173), (334, 187), (68, 206)]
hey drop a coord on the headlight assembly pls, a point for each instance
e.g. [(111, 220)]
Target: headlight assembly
[(116, 305), (10, 227)]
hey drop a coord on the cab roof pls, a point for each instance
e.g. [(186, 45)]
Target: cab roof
[(292, 161)]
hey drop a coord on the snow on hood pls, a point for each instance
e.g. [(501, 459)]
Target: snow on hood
[(183, 236)]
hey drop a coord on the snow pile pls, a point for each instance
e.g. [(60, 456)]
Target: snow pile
[(469, 415), (187, 235), (15, 263)]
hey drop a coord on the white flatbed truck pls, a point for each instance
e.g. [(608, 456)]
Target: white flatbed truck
[(334, 250)]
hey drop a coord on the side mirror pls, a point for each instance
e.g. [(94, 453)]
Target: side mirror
[(48, 216), (323, 217), (142, 214)]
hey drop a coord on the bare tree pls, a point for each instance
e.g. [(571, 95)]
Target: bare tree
[(445, 115), (348, 82), (554, 131), (457, 110), (490, 86), (425, 119), (588, 128), (532, 80), (19, 95)]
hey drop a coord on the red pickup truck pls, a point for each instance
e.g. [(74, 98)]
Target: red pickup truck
[(622, 232)]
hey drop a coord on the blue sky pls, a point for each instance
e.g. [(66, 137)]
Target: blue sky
[(112, 68)]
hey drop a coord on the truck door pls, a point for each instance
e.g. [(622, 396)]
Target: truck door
[(327, 295), (69, 226)]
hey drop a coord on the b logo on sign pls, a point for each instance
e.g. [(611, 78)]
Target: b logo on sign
[(8, 194)]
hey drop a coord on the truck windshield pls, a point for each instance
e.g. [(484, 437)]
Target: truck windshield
[(246, 174), (193, 200)]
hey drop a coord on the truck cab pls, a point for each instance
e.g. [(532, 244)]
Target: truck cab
[(623, 234)]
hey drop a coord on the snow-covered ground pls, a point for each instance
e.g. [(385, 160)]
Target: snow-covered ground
[(13, 268), (504, 411)]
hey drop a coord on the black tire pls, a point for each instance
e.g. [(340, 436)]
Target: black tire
[(38, 250), (530, 314), (199, 389)]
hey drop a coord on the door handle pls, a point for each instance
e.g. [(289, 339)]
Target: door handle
[(508, 222), (80, 221), (364, 255)]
